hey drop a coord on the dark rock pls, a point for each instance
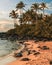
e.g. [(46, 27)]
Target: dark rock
[(45, 48), (36, 53), (29, 52), (38, 47), (25, 59), (33, 50), (18, 55), (50, 62)]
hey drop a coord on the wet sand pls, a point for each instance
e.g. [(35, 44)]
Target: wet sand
[(10, 57)]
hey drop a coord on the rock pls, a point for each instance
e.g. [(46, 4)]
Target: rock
[(25, 59), (18, 55), (45, 48), (50, 62), (29, 52), (36, 53), (33, 50)]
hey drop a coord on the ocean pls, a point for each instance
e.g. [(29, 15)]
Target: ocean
[(6, 47)]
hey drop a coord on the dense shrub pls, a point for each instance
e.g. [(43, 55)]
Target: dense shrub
[(42, 29)]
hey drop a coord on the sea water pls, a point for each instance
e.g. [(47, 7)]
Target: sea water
[(7, 47)]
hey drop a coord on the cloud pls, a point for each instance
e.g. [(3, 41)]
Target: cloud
[(6, 25), (49, 5), (3, 12)]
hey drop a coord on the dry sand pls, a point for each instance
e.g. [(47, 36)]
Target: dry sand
[(42, 58)]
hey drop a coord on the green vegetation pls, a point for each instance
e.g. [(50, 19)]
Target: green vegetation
[(32, 24)]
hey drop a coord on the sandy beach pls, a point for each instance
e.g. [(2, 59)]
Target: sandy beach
[(25, 32), (37, 56)]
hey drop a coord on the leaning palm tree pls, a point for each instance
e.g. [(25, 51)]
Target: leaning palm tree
[(14, 16), (43, 6), (20, 6), (35, 7)]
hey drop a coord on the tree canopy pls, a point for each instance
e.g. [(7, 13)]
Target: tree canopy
[(33, 24)]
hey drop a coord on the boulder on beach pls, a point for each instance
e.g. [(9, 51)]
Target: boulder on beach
[(36, 53), (18, 55), (45, 48), (50, 62), (25, 59)]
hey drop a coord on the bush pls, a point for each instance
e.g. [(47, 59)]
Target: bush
[(42, 30)]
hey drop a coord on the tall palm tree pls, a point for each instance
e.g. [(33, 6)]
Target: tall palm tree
[(43, 6), (20, 6), (14, 16), (27, 16), (35, 7)]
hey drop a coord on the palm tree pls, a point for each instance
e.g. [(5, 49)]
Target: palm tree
[(14, 16), (35, 7), (28, 16), (20, 6), (43, 6)]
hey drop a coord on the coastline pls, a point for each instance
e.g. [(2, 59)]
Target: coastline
[(10, 57), (36, 56)]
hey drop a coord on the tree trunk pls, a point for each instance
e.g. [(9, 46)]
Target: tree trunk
[(15, 23), (43, 11)]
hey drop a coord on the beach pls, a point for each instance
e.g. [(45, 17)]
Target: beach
[(26, 32), (37, 56), (10, 57)]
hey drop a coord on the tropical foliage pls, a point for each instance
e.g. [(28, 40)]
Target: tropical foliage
[(32, 23)]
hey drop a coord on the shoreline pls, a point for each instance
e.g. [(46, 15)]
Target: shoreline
[(10, 57), (42, 56)]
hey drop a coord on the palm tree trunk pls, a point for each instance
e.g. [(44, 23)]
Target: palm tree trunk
[(43, 11), (14, 23), (20, 21), (36, 17), (21, 16)]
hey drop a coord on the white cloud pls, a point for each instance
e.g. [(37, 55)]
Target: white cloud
[(6, 25), (49, 5), (3, 12)]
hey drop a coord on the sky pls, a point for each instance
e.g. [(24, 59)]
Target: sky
[(6, 6)]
